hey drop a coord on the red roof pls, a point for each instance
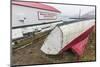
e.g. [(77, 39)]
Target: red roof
[(35, 5)]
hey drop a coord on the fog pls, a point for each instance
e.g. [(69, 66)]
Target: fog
[(73, 10)]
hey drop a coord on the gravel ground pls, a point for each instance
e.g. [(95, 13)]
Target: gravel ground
[(32, 54)]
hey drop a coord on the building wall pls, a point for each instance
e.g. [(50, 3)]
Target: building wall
[(29, 15)]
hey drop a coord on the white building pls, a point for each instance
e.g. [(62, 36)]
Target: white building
[(30, 16)]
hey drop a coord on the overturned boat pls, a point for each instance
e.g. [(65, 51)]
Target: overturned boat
[(68, 36)]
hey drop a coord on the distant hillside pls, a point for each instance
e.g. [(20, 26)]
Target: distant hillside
[(89, 15)]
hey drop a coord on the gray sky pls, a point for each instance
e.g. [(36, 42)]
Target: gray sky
[(72, 10)]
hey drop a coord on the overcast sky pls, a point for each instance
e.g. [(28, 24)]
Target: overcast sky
[(71, 10)]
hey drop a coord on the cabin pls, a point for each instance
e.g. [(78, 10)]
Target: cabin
[(32, 16)]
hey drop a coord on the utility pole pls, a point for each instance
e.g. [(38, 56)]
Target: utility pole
[(79, 13)]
